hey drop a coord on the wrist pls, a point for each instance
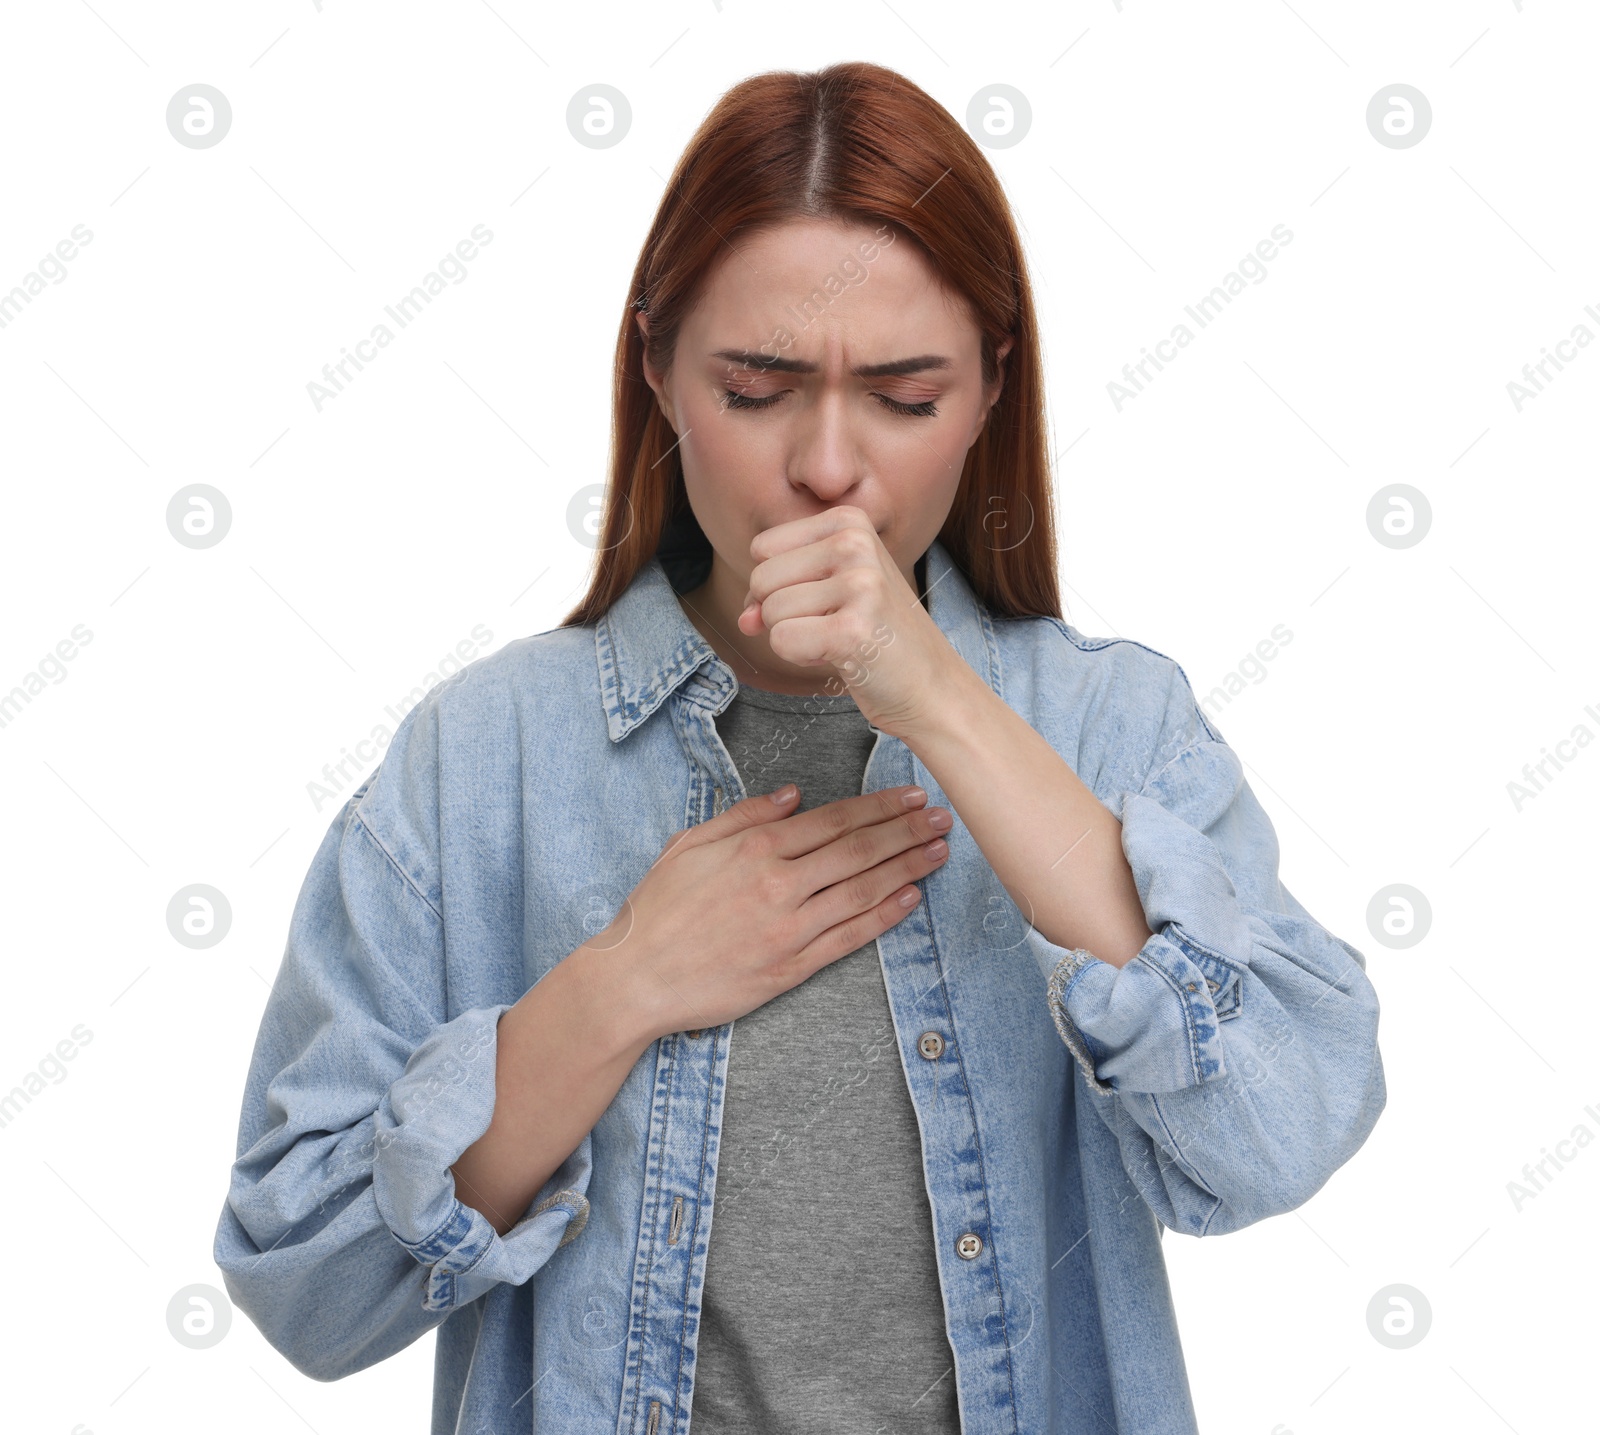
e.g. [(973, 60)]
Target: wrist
[(955, 707), (615, 989)]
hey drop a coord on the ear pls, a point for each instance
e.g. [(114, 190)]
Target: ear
[(653, 376), (1000, 364), (993, 389)]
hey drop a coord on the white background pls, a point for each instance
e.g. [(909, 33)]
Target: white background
[(370, 538)]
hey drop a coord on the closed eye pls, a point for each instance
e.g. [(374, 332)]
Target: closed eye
[(924, 410)]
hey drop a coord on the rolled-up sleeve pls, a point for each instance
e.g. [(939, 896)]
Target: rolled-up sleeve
[(342, 1236), (1235, 1058)]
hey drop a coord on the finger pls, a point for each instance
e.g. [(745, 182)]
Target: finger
[(844, 938), (807, 831), (807, 564), (866, 890), (737, 817), (866, 847), (799, 531), (805, 600), (849, 549)]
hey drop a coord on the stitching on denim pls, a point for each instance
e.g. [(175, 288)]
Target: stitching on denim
[(666, 1069), (574, 1203), (1178, 756), (699, 1207), (478, 1259), (1095, 646), (633, 707), (1183, 939), (438, 1232), (361, 820), (1188, 1017), (991, 644), (1188, 1170), (1090, 1045), (972, 1116), (446, 1297), (1186, 938), (1056, 989), (1073, 980)]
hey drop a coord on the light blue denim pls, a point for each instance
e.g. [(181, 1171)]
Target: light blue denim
[(1073, 1111)]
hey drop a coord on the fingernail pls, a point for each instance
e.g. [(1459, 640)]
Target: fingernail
[(908, 898), (785, 794), (939, 820), (937, 848), (912, 796)]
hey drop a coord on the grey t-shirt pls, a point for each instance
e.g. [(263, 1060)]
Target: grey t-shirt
[(821, 1312)]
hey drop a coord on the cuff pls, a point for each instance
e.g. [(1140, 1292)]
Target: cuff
[(1155, 1024), (435, 1109), (1152, 1025)]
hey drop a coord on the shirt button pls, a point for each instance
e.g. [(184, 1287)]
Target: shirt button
[(931, 1044), (695, 1032), (968, 1246)]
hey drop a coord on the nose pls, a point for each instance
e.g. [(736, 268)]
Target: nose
[(826, 458)]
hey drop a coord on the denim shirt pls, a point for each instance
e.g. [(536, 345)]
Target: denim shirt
[(1070, 1111)]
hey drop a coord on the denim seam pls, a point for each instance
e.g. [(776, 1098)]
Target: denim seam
[(1182, 753), (1184, 1165), (736, 784), (699, 1208), (991, 645), (1188, 1017), (1069, 1031), (482, 1255), (447, 1299), (1186, 938), (667, 1051), (983, 1182), (432, 1236), (574, 1203), (1089, 1043), (633, 706), (1180, 935), (378, 842), (1096, 646)]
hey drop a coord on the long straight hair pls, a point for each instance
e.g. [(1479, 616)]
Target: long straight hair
[(858, 144)]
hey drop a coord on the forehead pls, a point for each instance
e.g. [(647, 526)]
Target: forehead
[(821, 279)]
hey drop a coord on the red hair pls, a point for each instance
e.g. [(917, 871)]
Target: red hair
[(859, 144)]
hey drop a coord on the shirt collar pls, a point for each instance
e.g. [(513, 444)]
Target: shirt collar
[(647, 648)]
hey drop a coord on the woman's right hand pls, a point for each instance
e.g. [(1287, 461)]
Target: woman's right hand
[(747, 905)]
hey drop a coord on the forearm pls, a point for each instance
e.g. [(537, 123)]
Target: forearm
[(563, 1051), (1050, 841)]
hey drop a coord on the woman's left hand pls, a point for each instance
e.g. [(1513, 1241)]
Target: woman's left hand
[(830, 595)]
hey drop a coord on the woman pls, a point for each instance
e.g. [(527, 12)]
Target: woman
[(656, 1085)]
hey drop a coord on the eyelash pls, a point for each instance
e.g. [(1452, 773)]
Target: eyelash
[(925, 410)]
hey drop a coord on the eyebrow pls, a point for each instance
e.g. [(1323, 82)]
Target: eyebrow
[(769, 363)]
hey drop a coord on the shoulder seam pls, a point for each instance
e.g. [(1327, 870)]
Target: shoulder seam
[(383, 847), (1184, 751), (1086, 647)]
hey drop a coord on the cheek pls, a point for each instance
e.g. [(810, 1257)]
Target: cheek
[(720, 448), (928, 463)]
